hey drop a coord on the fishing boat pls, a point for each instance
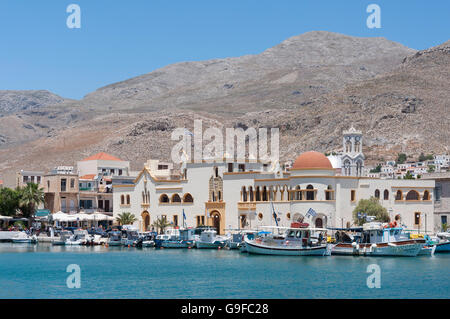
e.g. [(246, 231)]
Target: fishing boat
[(63, 237), (208, 240), (250, 234), (146, 240), (442, 242), (377, 239), (115, 238), (297, 240), (131, 237), (24, 238), (79, 237), (176, 238)]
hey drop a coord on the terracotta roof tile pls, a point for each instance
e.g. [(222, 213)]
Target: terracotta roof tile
[(102, 156)]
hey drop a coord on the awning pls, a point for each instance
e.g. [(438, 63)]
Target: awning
[(42, 213)]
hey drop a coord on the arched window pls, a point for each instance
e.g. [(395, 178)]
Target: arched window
[(164, 198), (244, 194), (128, 199), (298, 193), (258, 194), (412, 195), (386, 194), (377, 194), (188, 198), (252, 195), (143, 197), (309, 194), (216, 171), (122, 200), (219, 195), (399, 195), (329, 193), (176, 198), (264, 194), (426, 195)]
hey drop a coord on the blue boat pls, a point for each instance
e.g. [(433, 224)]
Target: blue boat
[(176, 238)]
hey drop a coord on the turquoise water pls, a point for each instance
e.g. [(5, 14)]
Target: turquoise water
[(39, 271)]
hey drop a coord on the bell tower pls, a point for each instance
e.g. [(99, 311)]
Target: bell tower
[(352, 155)]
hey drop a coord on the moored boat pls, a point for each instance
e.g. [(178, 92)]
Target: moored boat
[(114, 238), (209, 240), (377, 239), (296, 241), (176, 238), (24, 238)]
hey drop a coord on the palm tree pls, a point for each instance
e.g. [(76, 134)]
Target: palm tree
[(31, 196), (126, 219), (161, 224)]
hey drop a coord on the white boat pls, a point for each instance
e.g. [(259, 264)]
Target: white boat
[(24, 238), (209, 239), (63, 237), (176, 238), (79, 237), (296, 241), (131, 238), (379, 239), (115, 238)]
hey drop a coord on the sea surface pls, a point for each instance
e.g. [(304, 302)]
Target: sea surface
[(39, 271)]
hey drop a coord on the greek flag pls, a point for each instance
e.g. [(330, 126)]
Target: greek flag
[(311, 212)]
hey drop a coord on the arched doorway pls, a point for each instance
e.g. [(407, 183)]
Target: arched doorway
[(319, 222), (145, 221), (215, 215)]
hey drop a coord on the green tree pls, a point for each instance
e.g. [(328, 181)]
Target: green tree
[(408, 175), (31, 196), (160, 224), (376, 169), (422, 157), (401, 158), (431, 168), (370, 207), (9, 201), (126, 219)]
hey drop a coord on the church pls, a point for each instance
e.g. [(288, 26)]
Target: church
[(245, 195)]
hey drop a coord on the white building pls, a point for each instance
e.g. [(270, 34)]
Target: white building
[(243, 195)]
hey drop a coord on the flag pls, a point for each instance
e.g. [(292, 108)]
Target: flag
[(274, 214), (311, 212)]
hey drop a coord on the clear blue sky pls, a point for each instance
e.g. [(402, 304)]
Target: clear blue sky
[(122, 39)]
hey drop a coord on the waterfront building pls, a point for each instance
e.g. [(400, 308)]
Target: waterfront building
[(96, 178), (441, 198), (243, 194), (61, 192)]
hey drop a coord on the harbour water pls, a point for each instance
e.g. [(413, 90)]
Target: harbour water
[(39, 271)]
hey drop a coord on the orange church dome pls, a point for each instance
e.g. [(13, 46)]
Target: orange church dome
[(312, 160)]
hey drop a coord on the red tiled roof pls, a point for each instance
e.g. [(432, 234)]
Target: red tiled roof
[(102, 156), (88, 176)]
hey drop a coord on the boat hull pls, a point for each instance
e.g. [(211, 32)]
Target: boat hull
[(177, 244), (443, 247), (207, 245), (23, 241), (408, 248), (260, 249)]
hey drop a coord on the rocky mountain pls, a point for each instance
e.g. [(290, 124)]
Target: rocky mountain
[(17, 101), (286, 75), (311, 86)]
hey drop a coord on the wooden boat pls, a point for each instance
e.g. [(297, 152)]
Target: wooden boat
[(296, 241), (377, 239)]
